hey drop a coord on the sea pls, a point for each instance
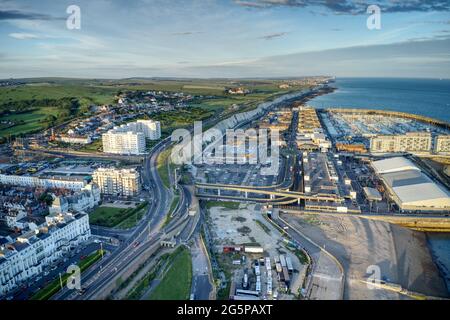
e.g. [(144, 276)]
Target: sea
[(439, 243), (427, 97)]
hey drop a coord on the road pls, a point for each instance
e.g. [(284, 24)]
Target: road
[(144, 235), (70, 258), (327, 276), (201, 286)]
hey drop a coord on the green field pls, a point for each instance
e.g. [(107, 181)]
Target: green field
[(53, 287), (173, 205), (132, 219), (85, 93), (142, 285), (190, 86), (96, 146), (27, 122), (45, 102), (183, 118), (117, 217), (176, 283), (161, 165), (37, 106)]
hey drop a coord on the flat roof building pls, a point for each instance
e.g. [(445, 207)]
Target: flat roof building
[(442, 144), (130, 138), (372, 194), (123, 182), (123, 142), (409, 187), (416, 142), (393, 165)]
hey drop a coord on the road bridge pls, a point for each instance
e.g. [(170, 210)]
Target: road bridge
[(296, 195)]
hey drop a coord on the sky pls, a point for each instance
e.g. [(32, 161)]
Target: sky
[(224, 38)]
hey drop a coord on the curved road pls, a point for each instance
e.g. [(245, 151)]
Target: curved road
[(144, 235), (327, 275)]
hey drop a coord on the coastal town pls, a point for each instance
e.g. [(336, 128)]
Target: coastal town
[(99, 187), (224, 159)]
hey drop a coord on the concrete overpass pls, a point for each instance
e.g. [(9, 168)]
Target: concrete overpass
[(273, 193), (277, 201)]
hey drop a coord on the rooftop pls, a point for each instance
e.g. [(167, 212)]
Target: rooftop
[(393, 165), (414, 186)]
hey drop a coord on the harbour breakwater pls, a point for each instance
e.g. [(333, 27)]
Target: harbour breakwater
[(397, 114), (424, 224)]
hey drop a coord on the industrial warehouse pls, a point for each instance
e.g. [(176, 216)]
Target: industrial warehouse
[(409, 187)]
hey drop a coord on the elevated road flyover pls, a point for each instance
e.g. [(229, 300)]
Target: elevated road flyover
[(272, 193)]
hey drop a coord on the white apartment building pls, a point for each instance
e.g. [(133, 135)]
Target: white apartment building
[(123, 182), (123, 142), (130, 138), (442, 144), (34, 181), (151, 129), (419, 142), (38, 247), (83, 200)]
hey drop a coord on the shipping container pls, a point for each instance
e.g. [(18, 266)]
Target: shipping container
[(247, 292), (289, 264), (257, 271), (245, 281), (268, 265), (245, 297), (278, 267), (254, 249), (287, 279), (282, 260)]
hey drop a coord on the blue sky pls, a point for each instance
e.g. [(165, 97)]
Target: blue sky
[(228, 38)]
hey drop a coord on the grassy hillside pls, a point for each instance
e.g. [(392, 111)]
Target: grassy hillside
[(44, 102), (36, 106), (39, 91)]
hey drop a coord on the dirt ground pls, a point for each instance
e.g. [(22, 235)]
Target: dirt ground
[(238, 227), (360, 244)]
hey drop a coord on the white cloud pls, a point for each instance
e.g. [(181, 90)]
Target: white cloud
[(24, 36)]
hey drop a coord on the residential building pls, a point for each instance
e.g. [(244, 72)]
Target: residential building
[(415, 142), (351, 147), (310, 134), (45, 182), (130, 138), (442, 144), (82, 200), (239, 90), (122, 182), (150, 128), (38, 246), (74, 139), (123, 142)]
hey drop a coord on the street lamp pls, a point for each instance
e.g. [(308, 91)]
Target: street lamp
[(60, 281)]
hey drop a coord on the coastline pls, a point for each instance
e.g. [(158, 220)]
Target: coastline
[(438, 254), (401, 254), (416, 267), (423, 97), (433, 249)]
